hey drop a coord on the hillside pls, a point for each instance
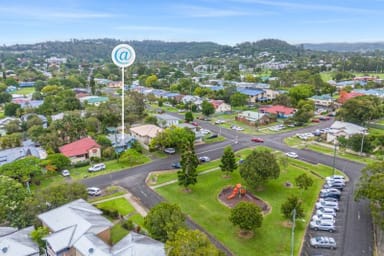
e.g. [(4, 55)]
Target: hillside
[(345, 47)]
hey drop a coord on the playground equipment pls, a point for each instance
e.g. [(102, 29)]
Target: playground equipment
[(237, 190)]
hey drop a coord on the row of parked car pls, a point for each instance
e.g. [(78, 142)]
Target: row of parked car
[(326, 210)]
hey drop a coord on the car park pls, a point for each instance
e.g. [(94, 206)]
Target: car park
[(96, 167), (325, 210), (176, 165), (322, 225), (65, 173), (170, 151), (323, 242), (325, 217), (94, 191), (327, 204), (291, 154), (258, 140), (204, 159)]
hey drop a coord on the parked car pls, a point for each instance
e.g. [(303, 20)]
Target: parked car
[(327, 204), (333, 185), (170, 150), (323, 242), (330, 195), (219, 121), (65, 173), (205, 131), (328, 211), (335, 177), (96, 167), (195, 123), (329, 199), (204, 159), (94, 191), (213, 136), (315, 121), (176, 165), (259, 140), (291, 154), (330, 190), (326, 217), (322, 225), (324, 118)]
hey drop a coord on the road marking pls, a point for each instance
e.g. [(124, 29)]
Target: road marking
[(358, 215)]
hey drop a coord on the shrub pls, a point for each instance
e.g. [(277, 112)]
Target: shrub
[(81, 163), (112, 213), (128, 225)]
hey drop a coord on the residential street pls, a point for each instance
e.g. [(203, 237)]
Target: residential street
[(355, 236)]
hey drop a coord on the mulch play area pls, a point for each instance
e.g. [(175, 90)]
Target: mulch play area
[(230, 196)]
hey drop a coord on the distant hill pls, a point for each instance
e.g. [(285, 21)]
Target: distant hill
[(345, 47), (273, 46), (101, 49)]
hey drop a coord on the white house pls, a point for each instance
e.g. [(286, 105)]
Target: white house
[(220, 106), (344, 129), (165, 120)]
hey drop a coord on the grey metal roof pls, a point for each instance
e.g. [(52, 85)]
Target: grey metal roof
[(136, 244), (18, 243)]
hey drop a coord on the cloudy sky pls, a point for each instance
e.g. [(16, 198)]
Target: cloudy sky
[(222, 21)]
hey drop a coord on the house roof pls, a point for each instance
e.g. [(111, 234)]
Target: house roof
[(167, 117), (277, 109), (346, 127), (79, 147), (251, 115), (250, 92), (18, 242), (321, 97), (71, 221), (137, 244), (149, 130), (216, 103), (344, 96)]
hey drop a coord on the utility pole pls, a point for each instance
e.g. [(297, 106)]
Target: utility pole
[(293, 230), (362, 144)]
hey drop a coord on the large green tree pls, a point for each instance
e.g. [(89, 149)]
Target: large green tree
[(207, 108), (163, 221), (173, 137), (303, 181), (247, 216), (12, 195), (361, 109), (258, 167), (238, 99), (187, 175), (292, 203), (300, 92), (228, 161), (371, 187), (190, 242), (23, 169)]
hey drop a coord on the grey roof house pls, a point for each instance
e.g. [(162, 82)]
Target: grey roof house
[(79, 229), (17, 242), (344, 129), (165, 120)]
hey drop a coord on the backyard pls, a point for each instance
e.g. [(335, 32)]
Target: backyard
[(273, 238)]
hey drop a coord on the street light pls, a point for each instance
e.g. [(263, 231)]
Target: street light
[(293, 230), (334, 155)]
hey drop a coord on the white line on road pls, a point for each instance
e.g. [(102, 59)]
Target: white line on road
[(358, 215)]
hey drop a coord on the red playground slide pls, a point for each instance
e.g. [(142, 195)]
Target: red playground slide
[(235, 191)]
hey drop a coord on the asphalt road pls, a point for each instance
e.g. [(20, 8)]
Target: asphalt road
[(354, 235)]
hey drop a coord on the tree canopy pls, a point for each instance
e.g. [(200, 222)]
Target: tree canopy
[(258, 167), (228, 161), (187, 175), (292, 202), (163, 221), (247, 216), (173, 137)]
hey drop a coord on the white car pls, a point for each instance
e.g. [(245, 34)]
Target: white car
[(204, 159), (96, 167), (335, 177), (219, 121), (94, 191), (291, 154), (205, 131), (323, 242), (65, 173), (328, 211), (325, 217)]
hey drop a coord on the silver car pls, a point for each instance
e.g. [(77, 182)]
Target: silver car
[(323, 242), (322, 225), (327, 204), (325, 217), (328, 211)]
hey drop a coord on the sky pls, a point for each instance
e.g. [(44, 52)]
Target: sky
[(226, 22)]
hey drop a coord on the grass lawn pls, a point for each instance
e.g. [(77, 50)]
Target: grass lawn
[(25, 91), (273, 238), (117, 233), (82, 173), (119, 204)]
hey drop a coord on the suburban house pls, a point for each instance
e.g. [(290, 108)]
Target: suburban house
[(3, 124), (220, 106), (44, 120), (254, 95), (165, 120), (253, 118), (17, 242), (28, 148), (324, 100), (79, 229), (145, 133), (81, 150), (344, 129), (117, 141), (93, 100), (344, 96), (278, 110)]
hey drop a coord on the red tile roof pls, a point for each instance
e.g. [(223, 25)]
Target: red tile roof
[(344, 96), (216, 103), (278, 109), (79, 147)]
